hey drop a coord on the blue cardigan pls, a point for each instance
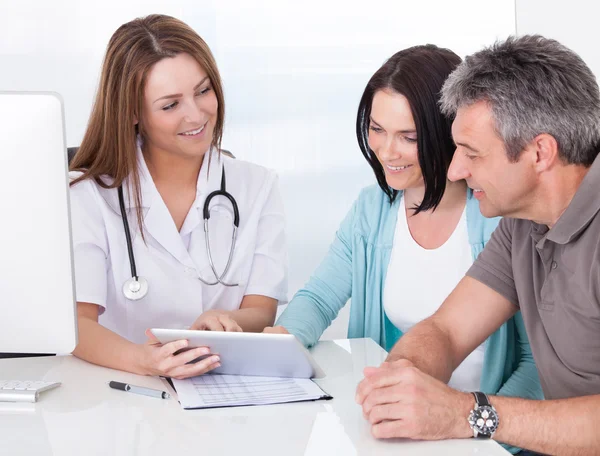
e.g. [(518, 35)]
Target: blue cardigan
[(355, 267)]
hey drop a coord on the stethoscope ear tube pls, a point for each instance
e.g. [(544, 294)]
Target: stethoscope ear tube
[(211, 262), (226, 194), (236, 223)]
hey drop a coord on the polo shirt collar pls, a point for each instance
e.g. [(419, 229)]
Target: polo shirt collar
[(581, 210)]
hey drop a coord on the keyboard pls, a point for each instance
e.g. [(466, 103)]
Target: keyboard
[(23, 390)]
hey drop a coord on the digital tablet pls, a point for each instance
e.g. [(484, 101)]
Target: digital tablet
[(269, 355)]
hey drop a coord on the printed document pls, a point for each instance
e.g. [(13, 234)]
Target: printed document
[(207, 391)]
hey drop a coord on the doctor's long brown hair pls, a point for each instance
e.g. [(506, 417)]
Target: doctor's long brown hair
[(109, 145)]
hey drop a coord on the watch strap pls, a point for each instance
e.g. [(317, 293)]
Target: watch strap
[(481, 398)]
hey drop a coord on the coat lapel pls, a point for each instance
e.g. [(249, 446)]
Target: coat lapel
[(158, 221)]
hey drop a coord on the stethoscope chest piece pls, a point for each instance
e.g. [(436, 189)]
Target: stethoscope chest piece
[(135, 288)]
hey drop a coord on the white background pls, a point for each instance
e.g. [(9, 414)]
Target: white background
[(573, 23), (293, 74)]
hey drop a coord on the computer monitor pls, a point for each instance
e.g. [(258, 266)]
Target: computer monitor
[(37, 288)]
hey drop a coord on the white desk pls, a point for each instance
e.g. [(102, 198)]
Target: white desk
[(85, 417)]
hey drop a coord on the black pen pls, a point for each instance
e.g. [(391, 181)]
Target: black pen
[(139, 390)]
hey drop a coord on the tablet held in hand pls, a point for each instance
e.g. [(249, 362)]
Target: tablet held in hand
[(269, 355)]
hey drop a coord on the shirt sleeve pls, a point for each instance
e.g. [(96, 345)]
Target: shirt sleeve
[(90, 245), (493, 266), (269, 272)]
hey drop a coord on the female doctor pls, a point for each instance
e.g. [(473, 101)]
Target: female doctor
[(146, 168)]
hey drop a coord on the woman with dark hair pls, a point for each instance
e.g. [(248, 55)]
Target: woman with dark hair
[(407, 241), (147, 181)]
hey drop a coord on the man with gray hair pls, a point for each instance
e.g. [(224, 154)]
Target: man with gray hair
[(527, 131)]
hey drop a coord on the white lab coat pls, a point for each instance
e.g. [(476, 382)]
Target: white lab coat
[(170, 260)]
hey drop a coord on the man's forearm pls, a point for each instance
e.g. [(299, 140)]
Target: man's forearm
[(428, 348), (562, 427)]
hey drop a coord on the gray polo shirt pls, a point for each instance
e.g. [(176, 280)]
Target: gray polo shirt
[(554, 277)]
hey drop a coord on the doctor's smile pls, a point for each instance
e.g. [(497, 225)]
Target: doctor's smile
[(195, 133)]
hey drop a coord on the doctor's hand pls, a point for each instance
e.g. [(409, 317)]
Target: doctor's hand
[(215, 320), (275, 330), (167, 360), (400, 401)]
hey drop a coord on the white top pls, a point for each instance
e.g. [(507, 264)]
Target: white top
[(418, 281), (85, 416), (170, 260)]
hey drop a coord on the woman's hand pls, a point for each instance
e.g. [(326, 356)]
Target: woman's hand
[(275, 330), (169, 361), (214, 320)]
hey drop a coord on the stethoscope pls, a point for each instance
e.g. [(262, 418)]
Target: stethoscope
[(137, 287)]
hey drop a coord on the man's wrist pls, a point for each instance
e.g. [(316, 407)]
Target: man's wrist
[(483, 419), (466, 403), (391, 358)]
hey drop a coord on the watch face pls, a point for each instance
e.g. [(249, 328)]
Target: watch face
[(484, 420)]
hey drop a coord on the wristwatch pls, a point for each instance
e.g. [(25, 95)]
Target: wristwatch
[(483, 419)]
